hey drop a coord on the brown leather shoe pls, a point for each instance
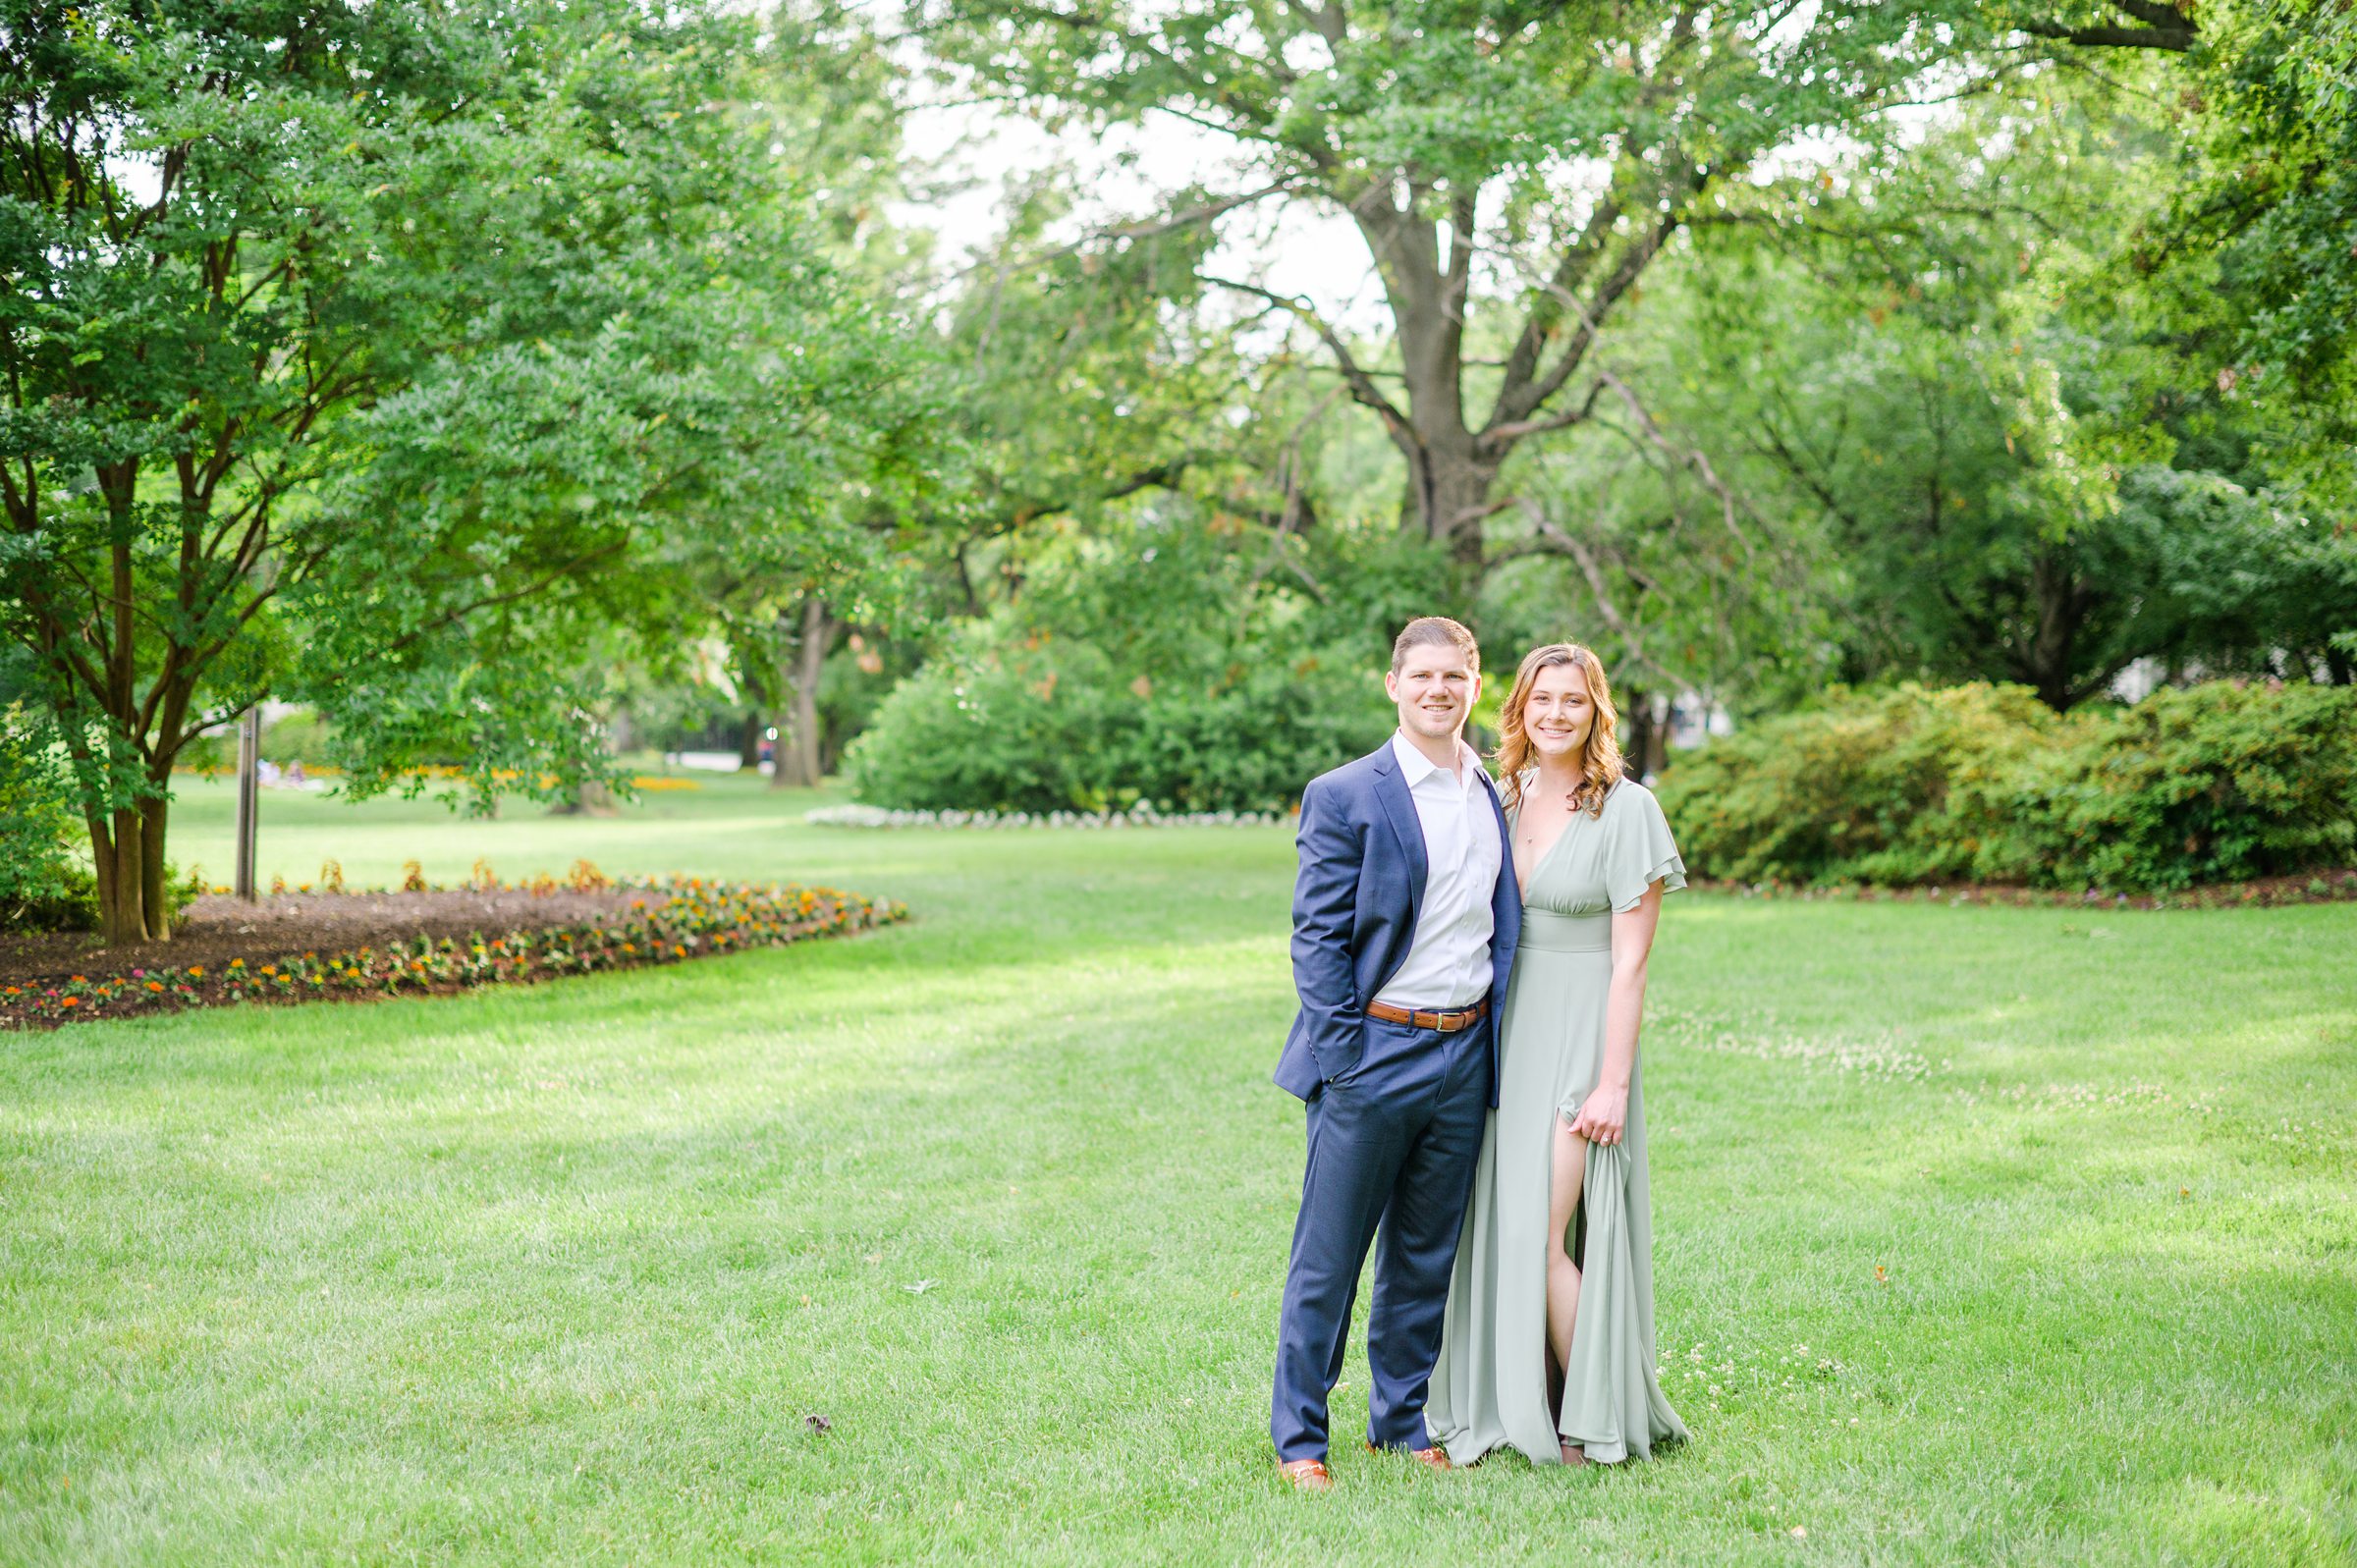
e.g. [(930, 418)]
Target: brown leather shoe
[(1305, 1475), (1435, 1458)]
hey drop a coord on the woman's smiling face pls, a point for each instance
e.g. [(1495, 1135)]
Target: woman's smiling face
[(1558, 715)]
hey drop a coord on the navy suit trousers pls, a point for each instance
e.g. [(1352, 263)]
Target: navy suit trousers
[(1392, 1149)]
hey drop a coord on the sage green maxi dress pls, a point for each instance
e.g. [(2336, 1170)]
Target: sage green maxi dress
[(1490, 1386)]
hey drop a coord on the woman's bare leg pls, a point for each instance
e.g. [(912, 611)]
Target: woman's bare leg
[(1569, 1171)]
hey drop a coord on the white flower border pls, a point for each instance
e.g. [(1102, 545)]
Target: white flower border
[(1140, 815)]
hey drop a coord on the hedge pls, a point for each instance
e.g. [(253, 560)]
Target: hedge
[(2216, 782), (1055, 729)]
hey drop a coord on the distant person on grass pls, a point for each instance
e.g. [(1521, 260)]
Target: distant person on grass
[(1404, 921), (1416, 891)]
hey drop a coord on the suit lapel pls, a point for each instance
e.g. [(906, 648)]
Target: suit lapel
[(1400, 807)]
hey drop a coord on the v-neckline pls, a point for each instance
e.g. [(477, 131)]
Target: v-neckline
[(1540, 864), (1553, 844)]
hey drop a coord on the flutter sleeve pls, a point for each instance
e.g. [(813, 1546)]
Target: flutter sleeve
[(1640, 851)]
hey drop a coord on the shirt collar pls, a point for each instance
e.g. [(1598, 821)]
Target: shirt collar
[(1415, 767)]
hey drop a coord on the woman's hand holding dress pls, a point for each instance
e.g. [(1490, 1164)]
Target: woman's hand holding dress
[(1604, 1115)]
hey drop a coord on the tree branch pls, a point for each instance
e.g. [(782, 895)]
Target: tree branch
[(1144, 229), (527, 591), (2165, 27), (1362, 386)]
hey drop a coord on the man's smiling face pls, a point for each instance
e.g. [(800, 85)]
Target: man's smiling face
[(1435, 688)]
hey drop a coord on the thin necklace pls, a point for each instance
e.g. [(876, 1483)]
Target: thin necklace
[(1570, 807)]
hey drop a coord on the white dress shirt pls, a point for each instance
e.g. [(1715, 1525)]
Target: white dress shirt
[(1449, 958)]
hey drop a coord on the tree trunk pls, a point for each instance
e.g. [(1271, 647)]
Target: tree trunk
[(1461, 499), (1449, 476), (118, 848), (1638, 734), (156, 902), (798, 748), (2060, 607), (115, 842), (748, 747)]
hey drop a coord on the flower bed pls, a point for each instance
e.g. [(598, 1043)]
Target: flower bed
[(666, 921), (1138, 816)]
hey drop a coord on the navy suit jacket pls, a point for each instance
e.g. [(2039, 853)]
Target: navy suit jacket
[(1355, 900)]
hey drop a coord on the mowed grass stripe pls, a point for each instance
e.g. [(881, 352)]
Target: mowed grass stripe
[(559, 1272)]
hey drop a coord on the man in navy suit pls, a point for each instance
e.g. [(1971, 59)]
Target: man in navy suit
[(1405, 915)]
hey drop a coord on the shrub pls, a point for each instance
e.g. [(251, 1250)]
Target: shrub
[(1176, 660), (2216, 782), (1910, 784), (66, 901), (1980, 783), (1053, 727), (44, 887)]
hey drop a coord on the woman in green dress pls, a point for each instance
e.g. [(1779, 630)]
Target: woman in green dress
[(1549, 1343)]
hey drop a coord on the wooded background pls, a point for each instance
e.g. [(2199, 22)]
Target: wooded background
[(516, 383)]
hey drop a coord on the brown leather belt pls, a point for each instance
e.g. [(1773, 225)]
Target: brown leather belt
[(1447, 1023)]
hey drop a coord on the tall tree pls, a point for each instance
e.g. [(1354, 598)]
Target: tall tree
[(351, 353), (2016, 475), (1514, 170)]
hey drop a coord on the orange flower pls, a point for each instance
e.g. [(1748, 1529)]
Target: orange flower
[(71, 1002), (196, 971), (155, 985)]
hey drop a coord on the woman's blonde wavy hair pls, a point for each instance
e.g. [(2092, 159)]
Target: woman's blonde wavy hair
[(1601, 768)]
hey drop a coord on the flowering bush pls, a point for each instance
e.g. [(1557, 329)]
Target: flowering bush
[(676, 919)]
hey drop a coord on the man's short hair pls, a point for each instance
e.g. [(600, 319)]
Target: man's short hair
[(1434, 629)]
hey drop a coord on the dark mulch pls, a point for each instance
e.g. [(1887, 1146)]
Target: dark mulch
[(2307, 887), (286, 925)]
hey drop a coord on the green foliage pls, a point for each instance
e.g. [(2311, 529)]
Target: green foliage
[(1896, 787), (40, 885), (852, 685), (2017, 474), (1162, 663), (67, 900), (300, 736), (2252, 254), (2216, 782), (382, 357), (1053, 728)]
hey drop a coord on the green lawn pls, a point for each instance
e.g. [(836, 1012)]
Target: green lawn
[(1984, 1235)]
